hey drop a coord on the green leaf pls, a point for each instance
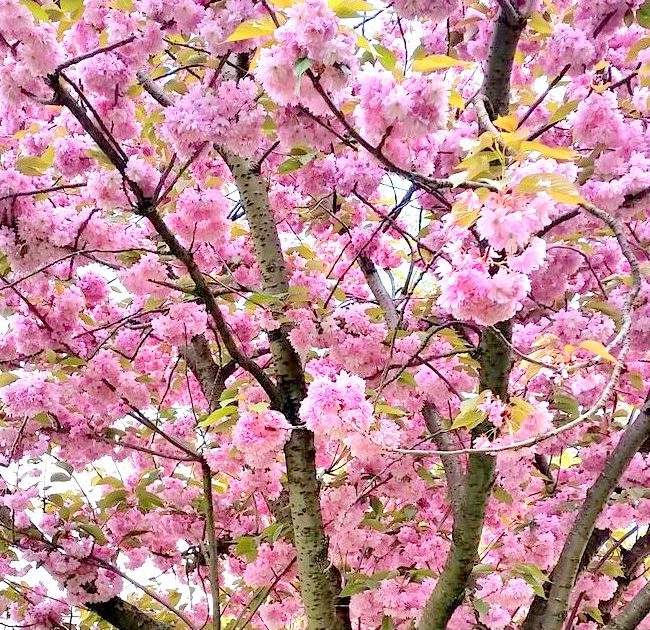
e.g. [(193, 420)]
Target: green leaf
[(217, 414), (60, 476), (502, 495), (114, 482), (408, 379), (481, 606), (147, 500), (643, 15), (407, 513), (603, 307), (566, 403), (95, 531), (290, 165), (377, 506), (73, 361), (357, 583), (534, 576), (386, 57), (296, 162), (419, 575), (225, 426), (387, 623), (113, 498), (427, 475), (274, 531), (67, 467), (299, 68), (247, 546)]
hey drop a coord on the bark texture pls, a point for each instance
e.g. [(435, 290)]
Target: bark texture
[(567, 567), (126, 616), (319, 581), (449, 592)]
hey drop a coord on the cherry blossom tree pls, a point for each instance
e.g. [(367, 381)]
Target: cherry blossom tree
[(325, 314)]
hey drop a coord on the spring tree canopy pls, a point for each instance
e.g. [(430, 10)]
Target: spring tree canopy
[(325, 314)]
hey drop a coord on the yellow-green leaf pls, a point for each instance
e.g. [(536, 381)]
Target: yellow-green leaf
[(636, 380), (122, 5), (638, 46), (176, 86), (612, 568), (252, 28), (464, 216), (349, 8), (386, 57), (456, 100), (470, 415), (598, 349), (437, 62), (539, 24), (69, 6), (520, 409), (595, 613), (387, 409), (7, 378), (563, 111), (554, 185), (36, 10), (507, 123), (556, 153), (35, 166)]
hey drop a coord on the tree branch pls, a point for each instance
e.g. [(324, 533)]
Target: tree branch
[(503, 46), (630, 561), (450, 463), (378, 289), (116, 611), (495, 364), (567, 567), (320, 582), (211, 377), (125, 616), (213, 551), (448, 594), (634, 613)]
